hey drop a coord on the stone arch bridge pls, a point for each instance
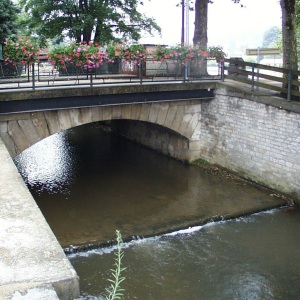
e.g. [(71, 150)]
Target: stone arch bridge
[(164, 117), (255, 134)]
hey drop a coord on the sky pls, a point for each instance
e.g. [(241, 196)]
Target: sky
[(229, 25)]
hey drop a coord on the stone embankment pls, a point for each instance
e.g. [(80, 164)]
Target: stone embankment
[(33, 264)]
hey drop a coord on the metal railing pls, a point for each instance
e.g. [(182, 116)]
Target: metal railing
[(42, 75)]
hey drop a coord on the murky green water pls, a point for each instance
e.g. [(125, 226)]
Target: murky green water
[(88, 183)]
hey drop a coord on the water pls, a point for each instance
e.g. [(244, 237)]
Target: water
[(88, 183), (254, 257)]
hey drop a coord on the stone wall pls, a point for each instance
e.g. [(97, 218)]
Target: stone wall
[(179, 119), (154, 136), (32, 260), (259, 141)]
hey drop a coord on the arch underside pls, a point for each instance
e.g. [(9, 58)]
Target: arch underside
[(166, 127)]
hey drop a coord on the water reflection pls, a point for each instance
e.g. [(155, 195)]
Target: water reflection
[(49, 165)]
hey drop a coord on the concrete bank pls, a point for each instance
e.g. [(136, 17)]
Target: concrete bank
[(32, 262)]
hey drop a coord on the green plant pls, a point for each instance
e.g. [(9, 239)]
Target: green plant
[(161, 53), (135, 53), (115, 291), (87, 55), (216, 52), (184, 53), (23, 51), (113, 50)]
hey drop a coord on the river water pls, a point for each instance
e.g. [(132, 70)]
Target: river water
[(89, 182)]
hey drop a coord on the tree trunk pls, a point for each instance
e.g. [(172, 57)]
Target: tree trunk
[(289, 38), (200, 32)]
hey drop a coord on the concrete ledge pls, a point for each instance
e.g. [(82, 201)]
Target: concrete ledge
[(239, 90), (30, 255), (38, 293), (78, 91)]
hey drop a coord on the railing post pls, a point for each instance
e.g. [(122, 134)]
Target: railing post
[(252, 78), (91, 76), (141, 72), (33, 77), (222, 62), (289, 85)]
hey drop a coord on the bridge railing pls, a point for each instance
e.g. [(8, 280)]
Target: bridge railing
[(42, 75), (284, 82)]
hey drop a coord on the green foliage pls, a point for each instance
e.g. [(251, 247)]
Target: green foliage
[(85, 20), (135, 53), (113, 50), (127, 52), (184, 53), (272, 37), (79, 54), (8, 16), (90, 55), (115, 291), (23, 51), (200, 161)]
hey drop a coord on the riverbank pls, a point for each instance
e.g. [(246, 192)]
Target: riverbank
[(227, 174), (32, 260)]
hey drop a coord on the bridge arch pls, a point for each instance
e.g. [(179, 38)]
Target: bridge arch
[(20, 131)]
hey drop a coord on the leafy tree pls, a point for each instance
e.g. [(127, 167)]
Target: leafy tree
[(87, 20), (272, 37), (8, 16)]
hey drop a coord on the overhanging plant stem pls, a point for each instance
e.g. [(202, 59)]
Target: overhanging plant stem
[(115, 291)]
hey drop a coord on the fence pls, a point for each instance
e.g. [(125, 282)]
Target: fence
[(283, 81), (42, 74)]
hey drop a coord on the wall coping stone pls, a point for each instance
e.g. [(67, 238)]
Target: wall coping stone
[(266, 97)]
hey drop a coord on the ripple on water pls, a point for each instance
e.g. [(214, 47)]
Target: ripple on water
[(49, 165)]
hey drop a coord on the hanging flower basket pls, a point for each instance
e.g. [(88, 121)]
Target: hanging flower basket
[(185, 53), (83, 55), (23, 51)]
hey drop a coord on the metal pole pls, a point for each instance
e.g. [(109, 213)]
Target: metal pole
[(91, 76), (258, 61), (182, 22), (141, 72), (187, 33), (33, 79), (252, 80), (187, 19), (222, 70)]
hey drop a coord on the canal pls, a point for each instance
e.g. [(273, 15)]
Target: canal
[(89, 182)]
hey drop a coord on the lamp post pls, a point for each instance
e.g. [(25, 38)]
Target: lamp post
[(182, 22), (187, 21), (185, 5)]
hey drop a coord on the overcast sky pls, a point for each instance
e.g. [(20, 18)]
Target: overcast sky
[(228, 23)]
